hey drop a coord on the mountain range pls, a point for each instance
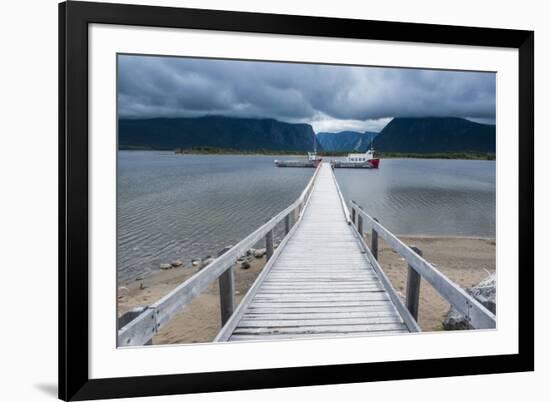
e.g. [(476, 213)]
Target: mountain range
[(217, 132), (402, 134), (346, 141), (436, 134)]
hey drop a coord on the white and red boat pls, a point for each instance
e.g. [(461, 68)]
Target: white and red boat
[(366, 160)]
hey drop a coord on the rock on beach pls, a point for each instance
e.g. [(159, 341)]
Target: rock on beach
[(259, 253), (203, 263), (484, 292)]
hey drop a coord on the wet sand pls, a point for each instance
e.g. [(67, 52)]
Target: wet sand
[(466, 261)]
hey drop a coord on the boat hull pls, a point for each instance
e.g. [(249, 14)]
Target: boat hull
[(298, 164)]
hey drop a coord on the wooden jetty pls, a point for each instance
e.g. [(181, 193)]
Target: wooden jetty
[(321, 281)]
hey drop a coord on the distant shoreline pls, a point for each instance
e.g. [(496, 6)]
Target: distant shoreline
[(440, 155), (265, 152)]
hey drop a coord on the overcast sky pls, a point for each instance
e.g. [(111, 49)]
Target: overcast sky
[(330, 98)]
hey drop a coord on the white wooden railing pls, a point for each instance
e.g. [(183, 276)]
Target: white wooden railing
[(138, 326), (477, 315)]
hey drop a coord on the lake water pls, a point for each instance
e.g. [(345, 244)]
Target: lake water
[(426, 196), (190, 206)]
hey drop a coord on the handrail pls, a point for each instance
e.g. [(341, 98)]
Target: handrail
[(147, 324), (408, 318), (342, 201), (478, 316)]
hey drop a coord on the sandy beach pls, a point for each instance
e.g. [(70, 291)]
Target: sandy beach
[(201, 320), (466, 261)]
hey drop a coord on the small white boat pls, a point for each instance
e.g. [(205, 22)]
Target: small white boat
[(312, 161), (366, 160)]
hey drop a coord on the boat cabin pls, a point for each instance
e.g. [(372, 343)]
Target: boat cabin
[(361, 158)]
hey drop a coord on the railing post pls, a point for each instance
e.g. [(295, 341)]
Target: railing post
[(374, 241), (268, 245), (360, 225), (227, 294), (287, 224), (413, 287), (353, 213)]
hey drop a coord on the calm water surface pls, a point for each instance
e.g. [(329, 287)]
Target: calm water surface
[(190, 206), (426, 196)]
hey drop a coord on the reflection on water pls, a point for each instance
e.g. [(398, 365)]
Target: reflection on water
[(189, 206)]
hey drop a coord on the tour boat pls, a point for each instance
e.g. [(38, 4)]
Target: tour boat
[(365, 160), (312, 160)]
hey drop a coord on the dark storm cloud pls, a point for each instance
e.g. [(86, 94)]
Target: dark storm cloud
[(166, 86)]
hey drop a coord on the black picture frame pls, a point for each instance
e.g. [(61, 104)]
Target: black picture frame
[(74, 18)]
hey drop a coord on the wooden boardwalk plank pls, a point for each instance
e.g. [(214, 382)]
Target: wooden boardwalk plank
[(320, 329), (268, 322), (281, 305), (321, 283), (314, 316), (290, 290), (278, 337), (372, 308)]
